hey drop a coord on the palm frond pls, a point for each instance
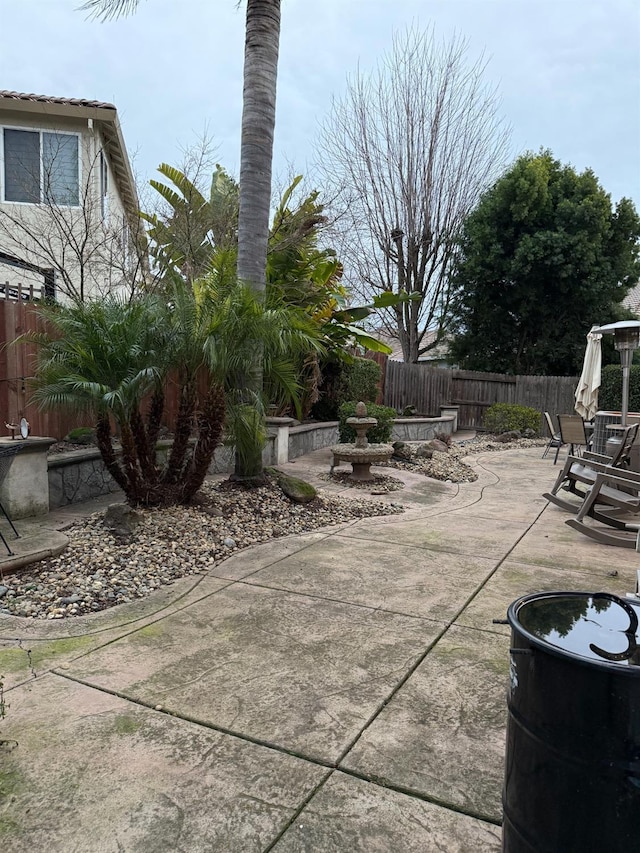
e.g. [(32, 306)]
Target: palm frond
[(106, 10)]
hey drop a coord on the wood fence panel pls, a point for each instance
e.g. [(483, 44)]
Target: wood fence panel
[(418, 385), (429, 388), (415, 385), (474, 392), (555, 394), (17, 363), (381, 359)]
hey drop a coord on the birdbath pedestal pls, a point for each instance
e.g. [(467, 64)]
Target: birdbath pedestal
[(361, 455)]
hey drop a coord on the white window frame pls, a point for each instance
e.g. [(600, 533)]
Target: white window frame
[(40, 131)]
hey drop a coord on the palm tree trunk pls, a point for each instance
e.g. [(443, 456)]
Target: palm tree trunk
[(181, 434), (210, 423), (256, 155), (103, 438), (154, 417), (136, 491)]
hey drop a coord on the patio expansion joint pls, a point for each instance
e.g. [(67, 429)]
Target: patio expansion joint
[(160, 613), (400, 684), (380, 782), (23, 643), (305, 802), (281, 559), (330, 766), (435, 548), (142, 703)]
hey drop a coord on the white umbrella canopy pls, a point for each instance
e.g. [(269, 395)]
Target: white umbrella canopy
[(587, 391)]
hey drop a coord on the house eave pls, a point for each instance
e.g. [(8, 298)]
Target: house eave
[(105, 118)]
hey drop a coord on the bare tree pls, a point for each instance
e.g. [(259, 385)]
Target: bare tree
[(408, 151), (61, 221)]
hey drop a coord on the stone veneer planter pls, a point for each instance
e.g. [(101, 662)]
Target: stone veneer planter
[(80, 474), (22, 491), (421, 429)]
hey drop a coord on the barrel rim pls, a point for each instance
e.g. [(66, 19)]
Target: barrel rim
[(548, 648)]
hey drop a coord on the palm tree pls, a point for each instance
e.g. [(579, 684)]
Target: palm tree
[(112, 359), (262, 41), (183, 241)]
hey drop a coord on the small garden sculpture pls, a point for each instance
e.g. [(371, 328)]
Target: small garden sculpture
[(361, 455)]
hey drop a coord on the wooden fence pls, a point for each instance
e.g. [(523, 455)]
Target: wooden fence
[(18, 314), (402, 384), (428, 388)]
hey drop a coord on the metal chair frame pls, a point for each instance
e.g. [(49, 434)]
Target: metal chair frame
[(572, 432), (555, 439)]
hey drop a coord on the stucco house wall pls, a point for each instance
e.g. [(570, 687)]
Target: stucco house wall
[(46, 233)]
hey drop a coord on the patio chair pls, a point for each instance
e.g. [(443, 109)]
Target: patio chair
[(555, 439), (572, 432), (7, 454), (582, 470), (611, 496)]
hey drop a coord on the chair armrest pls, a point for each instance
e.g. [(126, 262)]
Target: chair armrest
[(622, 474), (591, 465), (596, 457), (615, 479)]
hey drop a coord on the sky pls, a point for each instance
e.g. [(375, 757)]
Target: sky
[(567, 71)]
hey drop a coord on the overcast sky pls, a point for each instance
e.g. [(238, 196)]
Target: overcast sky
[(568, 71)]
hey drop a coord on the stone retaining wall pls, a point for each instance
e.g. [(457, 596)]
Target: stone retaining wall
[(421, 429), (80, 474), (309, 437)]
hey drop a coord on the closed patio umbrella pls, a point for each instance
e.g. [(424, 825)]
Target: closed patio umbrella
[(587, 391)]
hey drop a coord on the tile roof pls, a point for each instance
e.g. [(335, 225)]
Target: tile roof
[(47, 99), (632, 299)]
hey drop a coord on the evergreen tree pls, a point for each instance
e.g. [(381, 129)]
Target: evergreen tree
[(542, 258)]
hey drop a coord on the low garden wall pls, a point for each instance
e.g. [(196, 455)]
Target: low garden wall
[(309, 437), (421, 429), (80, 475)]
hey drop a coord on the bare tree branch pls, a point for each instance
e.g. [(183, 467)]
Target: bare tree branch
[(408, 151), (70, 230)]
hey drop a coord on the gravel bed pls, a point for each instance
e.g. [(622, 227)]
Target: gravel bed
[(449, 466), (442, 466), (380, 482), (97, 571), (486, 443)]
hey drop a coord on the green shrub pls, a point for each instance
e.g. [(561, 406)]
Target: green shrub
[(503, 417), (81, 435), (379, 434), (343, 381), (359, 380), (610, 396)]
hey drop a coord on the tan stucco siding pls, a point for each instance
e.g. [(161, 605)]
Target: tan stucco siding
[(35, 232)]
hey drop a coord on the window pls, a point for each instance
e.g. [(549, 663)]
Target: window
[(41, 167)]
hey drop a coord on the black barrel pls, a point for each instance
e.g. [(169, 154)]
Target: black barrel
[(572, 774)]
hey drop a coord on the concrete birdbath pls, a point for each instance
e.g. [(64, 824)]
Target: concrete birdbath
[(361, 455)]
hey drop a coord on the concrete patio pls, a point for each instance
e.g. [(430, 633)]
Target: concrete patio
[(343, 690)]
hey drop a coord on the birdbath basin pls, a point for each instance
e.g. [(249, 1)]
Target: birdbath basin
[(361, 455)]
